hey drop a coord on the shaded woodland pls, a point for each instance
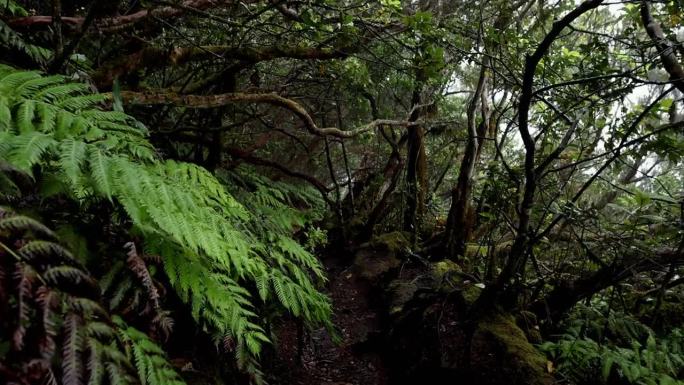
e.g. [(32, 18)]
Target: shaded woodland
[(341, 192)]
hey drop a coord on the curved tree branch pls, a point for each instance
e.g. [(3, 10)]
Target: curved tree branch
[(664, 46), (211, 101)]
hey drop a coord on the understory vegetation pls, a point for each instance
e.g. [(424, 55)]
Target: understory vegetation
[(341, 192)]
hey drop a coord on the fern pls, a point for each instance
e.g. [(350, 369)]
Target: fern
[(14, 41), (150, 360), (131, 287), (72, 158), (48, 304), (71, 360), (91, 342), (28, 149), (627, 358), (213, 243)]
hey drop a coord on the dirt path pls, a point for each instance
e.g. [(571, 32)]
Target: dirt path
[(324, 362)]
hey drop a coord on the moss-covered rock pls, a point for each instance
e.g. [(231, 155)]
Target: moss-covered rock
[(395, 242), (470, 293), (381, 255), (444, 269), (371, 265), (527, 321), (400, 292), (501, 354)]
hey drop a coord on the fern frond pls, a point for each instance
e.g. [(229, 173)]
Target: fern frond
[(49, 301), (94, 364), (5, 114), (82, 102), (101, 330), (24, 275), (72, 157), (138, 266), (11, 79), (58, 91), (25, 116), (49, 294), (60, 275), (71, 351), (150, 360), (17, 225), (101, 171), (11, 39), (46, 251), (88, 307), (28, 88), (27, 150), (212, 245)]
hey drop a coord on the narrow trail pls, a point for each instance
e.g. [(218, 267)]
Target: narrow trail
[(319, 360)]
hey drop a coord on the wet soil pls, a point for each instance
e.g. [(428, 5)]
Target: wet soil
[(313, 358)]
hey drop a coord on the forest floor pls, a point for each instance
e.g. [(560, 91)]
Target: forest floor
[(313, 358)]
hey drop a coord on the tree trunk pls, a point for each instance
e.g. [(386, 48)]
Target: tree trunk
[(416, 169), (458, 227)]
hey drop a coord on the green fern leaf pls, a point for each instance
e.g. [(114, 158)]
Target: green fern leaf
[(47, 117), (58, 91), (25, 116), (27, 150), (5, 114), (28, 88), (12, 79), (101, 171), (72, 158)]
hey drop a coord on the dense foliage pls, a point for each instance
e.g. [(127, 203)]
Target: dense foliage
[(173, 173)]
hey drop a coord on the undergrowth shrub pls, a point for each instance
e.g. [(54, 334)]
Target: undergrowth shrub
[(615, 348)]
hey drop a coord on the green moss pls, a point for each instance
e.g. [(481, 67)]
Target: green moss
[(379, 256), (394, 242), (371, 265), (475, 249), (501, 337), (470, 294), (513, 338), (444, 269)]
